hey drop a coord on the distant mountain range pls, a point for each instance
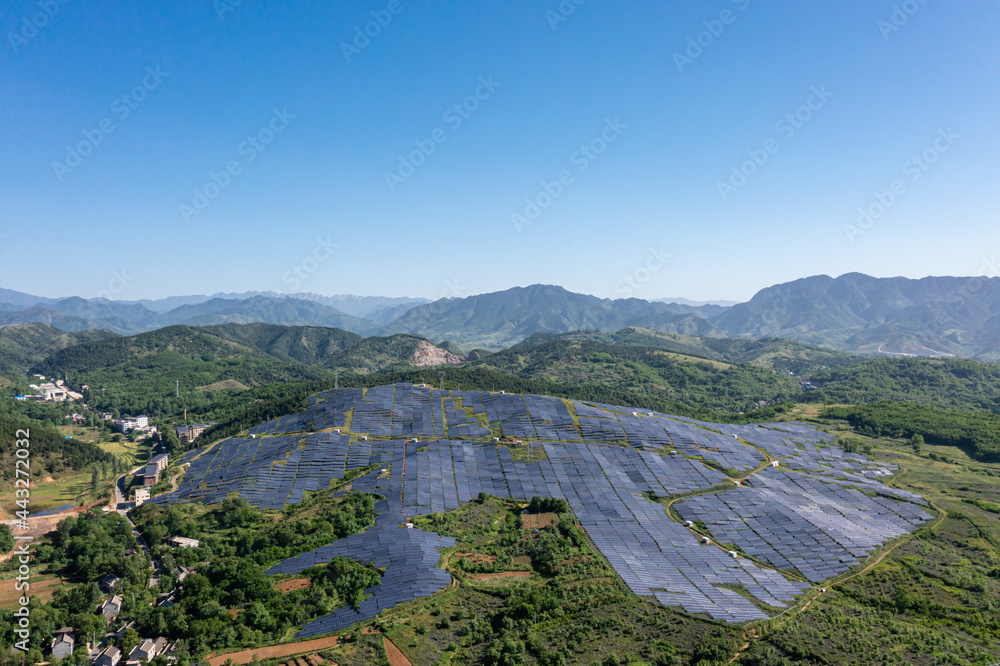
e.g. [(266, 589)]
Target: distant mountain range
[(935, 316)]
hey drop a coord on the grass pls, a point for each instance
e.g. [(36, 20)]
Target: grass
[(69, 489), (43, 588)]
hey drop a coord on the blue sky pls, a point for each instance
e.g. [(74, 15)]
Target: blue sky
[(643, 125)]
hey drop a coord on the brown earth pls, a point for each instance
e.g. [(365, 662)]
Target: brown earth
[(396, 656), (536, 521), (287, 586), (477, 558), (502, 574), (275, 651), (43, 590)]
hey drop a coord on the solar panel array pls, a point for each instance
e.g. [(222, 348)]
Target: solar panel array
[(820, 512), (268, 472), (796, 521), (461, 425), (410, 558)]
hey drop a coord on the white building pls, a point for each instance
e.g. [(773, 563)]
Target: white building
[(183, 542), (128, 424), (141, 495)]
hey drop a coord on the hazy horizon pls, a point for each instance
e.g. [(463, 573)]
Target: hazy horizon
[(651, 298)]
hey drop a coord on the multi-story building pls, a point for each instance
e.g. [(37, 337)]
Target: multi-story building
[(188, 433), (128, 424)]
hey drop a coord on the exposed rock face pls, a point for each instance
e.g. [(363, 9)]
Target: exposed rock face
[(427, 355)]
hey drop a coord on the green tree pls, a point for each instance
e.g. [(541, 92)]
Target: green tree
[(130, 639), (6, 538)]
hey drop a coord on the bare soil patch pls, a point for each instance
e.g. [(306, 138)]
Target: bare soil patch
[(396, 656), (502, 574), (536, 521), (43, 590), (276, 651), (287, 586), (477, 558)]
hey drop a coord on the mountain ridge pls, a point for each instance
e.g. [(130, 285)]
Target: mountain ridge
[(857, 313)]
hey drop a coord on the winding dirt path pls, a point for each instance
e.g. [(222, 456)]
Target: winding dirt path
[(396, 656)]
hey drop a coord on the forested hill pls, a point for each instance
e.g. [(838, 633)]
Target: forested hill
[(947, 383), (51, 452), (23, 346), (781, 354), (294, 344), (143, 373)]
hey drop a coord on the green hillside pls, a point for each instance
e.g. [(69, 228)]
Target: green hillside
[(946, 383), (782, 354), (22, 346), (311, 345), (658, 373), (139, 374)]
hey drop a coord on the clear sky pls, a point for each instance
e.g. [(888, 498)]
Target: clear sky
[(313, 118)]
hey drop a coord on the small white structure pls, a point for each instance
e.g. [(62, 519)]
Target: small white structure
[(183, 542), (776, 464), (733, 554), (706, 540), (673, 453), (141, 495), (689, 523)]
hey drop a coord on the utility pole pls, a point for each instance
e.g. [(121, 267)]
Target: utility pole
[(442, 380), (177, 383), (336, 378)]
